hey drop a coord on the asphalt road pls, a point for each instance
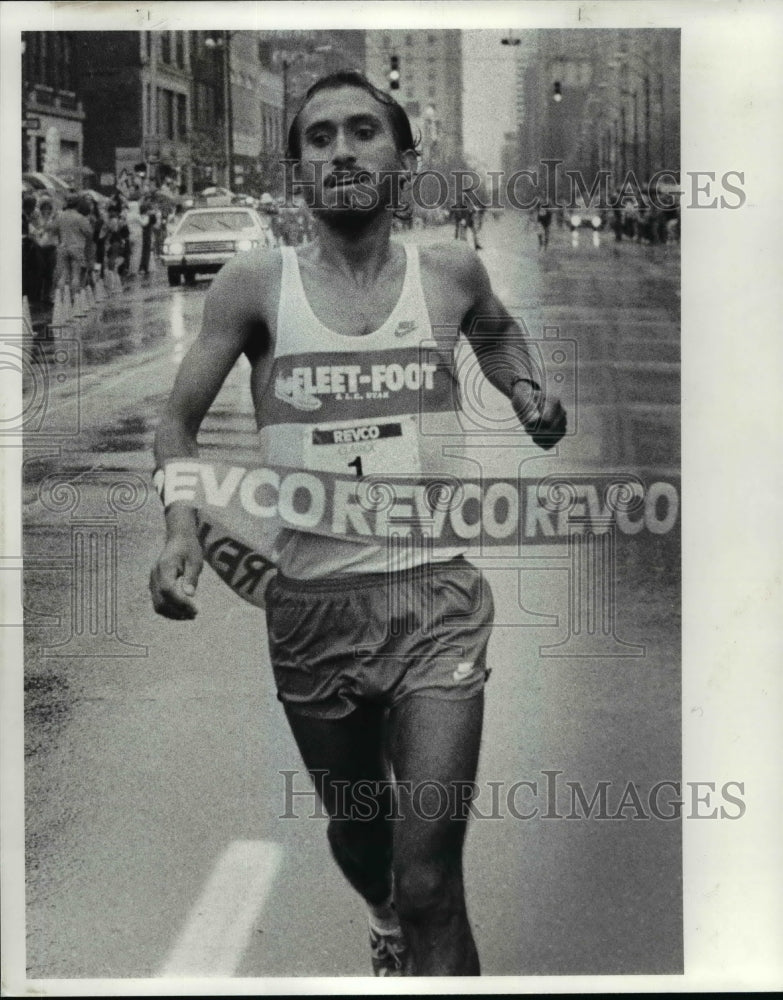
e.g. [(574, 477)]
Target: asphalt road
[(154, 749)]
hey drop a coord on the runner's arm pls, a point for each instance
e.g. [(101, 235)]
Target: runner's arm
[(501, 349), (227, 325), (230, 320)]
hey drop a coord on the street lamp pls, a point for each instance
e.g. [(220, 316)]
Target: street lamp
[(223, 43)]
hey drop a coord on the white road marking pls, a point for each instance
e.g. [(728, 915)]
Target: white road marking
[(218, 930)]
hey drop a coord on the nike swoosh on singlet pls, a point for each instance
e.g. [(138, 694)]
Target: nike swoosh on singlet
[(404, 327), (289, 392)]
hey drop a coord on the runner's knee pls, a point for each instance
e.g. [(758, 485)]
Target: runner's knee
[(426, 890), (363, 854), (362, 845)]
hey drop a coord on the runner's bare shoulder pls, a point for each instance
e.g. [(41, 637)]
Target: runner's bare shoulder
[(245, 292), (454, 262)]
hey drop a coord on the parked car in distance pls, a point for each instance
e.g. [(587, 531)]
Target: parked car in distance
[(206, 238)]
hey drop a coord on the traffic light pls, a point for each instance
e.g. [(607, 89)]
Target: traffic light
[(557, 95), (394, 73)]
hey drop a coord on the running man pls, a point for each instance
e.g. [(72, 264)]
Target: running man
[(354, 295), (464, 220), (544, 220)]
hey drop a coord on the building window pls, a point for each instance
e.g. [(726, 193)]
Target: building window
[(166, 113), (182, 116), (165, 47), (409, 40), (412, 107), (41, 75), (265, 53), (55, 62), (66, 54), (205, 104), (179, 44), (69, 155), (40, 152), (170, 108), (34, 62)]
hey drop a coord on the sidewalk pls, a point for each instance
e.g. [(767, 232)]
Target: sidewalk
[(41, 314)]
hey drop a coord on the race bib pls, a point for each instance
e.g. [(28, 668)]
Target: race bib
[(365, 448)]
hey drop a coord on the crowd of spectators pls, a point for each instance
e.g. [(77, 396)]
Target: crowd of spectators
[(75, 242)]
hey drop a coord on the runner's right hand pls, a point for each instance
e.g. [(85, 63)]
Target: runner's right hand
[(174, 577)]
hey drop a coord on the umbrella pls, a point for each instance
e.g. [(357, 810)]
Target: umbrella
[(95, 195)]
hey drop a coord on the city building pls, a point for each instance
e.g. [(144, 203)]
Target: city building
[(199, 108), (430, 85), (158, 105), (257, 115), (242, 124), (52, 111), (301, 57), (207, 136), (136, 90), (526, 52), (604, 99), (509, 156)]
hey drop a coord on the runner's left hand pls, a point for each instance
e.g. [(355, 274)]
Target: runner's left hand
[(543, 417)]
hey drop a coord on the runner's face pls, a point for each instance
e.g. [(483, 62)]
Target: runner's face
[(348, 153)]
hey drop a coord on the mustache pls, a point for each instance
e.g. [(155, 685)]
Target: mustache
[(339, 178)]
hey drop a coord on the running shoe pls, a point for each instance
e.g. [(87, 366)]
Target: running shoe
[(389, 952)]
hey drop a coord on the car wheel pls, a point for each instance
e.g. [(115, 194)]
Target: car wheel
[(175, 276)]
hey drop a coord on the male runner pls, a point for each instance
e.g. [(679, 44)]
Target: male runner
[(465, 216), (362, 696), (544, 220)]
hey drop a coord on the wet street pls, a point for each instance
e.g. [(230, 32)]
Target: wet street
[(162, 836)]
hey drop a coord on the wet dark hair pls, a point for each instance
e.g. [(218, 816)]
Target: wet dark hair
[(398, 119)]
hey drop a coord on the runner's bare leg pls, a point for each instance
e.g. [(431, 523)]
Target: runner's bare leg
[(433, 740), (339, 753)]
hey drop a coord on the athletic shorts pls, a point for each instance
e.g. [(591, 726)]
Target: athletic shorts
[(378, 637)]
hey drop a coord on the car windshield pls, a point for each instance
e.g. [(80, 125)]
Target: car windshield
[(206, 222)]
